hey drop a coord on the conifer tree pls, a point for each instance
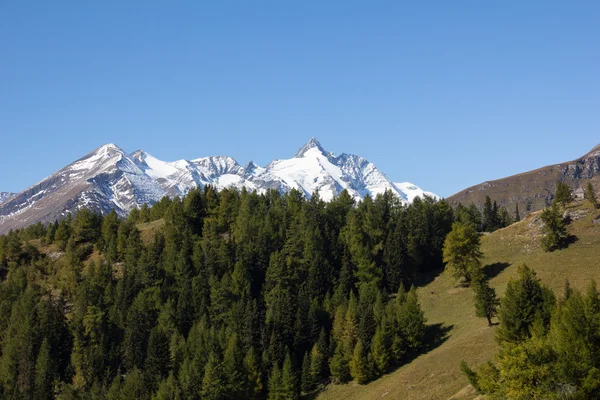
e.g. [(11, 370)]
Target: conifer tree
[(307, 382), (488, 215), (158, 359), (360, 364), (339, 366), (563, 194), (233, 368), (290, 387), (486, 302), (523, 300), (554, 229), (590, 195), (275, 384), (213, 382), (254, 376), (517, 214), (461, 251), (44, 373)]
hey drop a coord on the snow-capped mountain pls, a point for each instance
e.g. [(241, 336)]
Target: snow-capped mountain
[(5, 196), (109, 178)]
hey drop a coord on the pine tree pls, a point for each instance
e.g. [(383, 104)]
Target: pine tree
[(381, 347), (563, 194), (523, 300), (290, 387), (275, 384), (307, 382), (554, 229), (486, 302), (158, 359), (411, 321), (213, 382), (254, 376), (44, 373), (590, 195), (461, 251), (360, 364), (339, 366), (233, 368), (488, 215)]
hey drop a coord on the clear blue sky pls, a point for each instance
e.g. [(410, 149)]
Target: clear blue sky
[(445, 94)]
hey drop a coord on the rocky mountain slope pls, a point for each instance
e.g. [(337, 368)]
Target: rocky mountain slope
[(110, 178), (5, 196), (534, 190)]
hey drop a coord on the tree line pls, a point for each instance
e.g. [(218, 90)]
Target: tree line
[(217, 295)]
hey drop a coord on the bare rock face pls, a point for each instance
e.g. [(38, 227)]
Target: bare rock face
[(534, 190), (109, 178)]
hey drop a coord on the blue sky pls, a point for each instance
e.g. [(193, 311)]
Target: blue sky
[(443, 94)]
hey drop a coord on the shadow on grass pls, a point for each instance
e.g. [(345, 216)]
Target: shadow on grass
[(493, 270), (425, 278), (570, 239), (435, 336)]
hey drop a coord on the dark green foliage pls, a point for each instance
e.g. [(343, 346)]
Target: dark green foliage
[(554, 229), (557, 359), (486, 302), (563, 194), (525, 300), (590, 195), (237, 295)]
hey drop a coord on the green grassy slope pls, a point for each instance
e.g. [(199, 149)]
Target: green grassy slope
[(435, 375)]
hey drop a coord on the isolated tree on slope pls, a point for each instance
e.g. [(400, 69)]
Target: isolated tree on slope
[(461, 251), (554, 229), (563, 194), (590, 195), (486, 302)]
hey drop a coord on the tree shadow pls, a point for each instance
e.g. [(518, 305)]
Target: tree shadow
[(570, 239), (424, 278), (493, 270), (435, 336)]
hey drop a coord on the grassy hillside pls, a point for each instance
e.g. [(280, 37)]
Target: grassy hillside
[(435, 375)]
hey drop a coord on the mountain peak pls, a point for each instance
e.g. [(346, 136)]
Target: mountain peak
[(311, 144), (594, 151)]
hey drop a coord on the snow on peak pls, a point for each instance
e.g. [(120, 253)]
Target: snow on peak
[(412, 191), (110, 178), (313, 143)]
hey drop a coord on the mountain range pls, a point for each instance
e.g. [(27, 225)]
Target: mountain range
[(534, 190), (110, 178)]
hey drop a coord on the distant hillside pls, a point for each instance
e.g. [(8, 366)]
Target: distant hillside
[(534, 190)]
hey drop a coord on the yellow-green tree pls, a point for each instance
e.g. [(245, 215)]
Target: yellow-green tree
[(461, 251)]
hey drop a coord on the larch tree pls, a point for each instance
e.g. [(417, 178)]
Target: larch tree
[(461, 251)]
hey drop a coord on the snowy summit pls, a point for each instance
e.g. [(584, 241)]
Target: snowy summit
[(110, 178)]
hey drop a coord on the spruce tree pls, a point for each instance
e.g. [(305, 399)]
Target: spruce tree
[(360, 364), (158, 359), (486, 302), (213, 383), (563, 194), (554, 229), (290, 387), (524, 298), (590, 195), (339, 365)]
